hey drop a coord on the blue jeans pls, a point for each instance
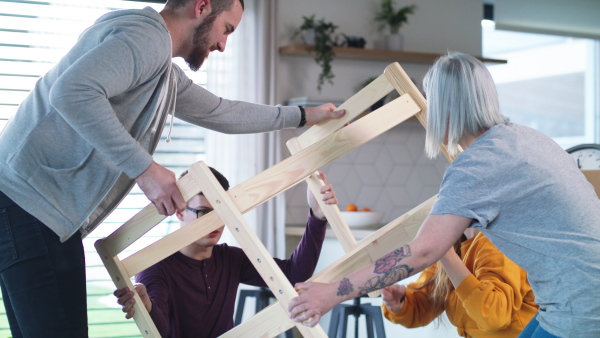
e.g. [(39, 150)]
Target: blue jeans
[(42, 279), (534, 330)]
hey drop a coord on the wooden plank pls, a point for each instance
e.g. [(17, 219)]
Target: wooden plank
[(248, 240), (332, 212), (119, 277), (374, 54), (280, 177), (269, 322), (403, 84), (145, 220), (354, 106), (395, 234)]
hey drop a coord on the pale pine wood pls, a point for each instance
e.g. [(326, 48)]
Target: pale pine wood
[(394, 235), (332, 212), (354, 106), (248, 240), (403, 84), (269, 322), (351, 53), (280, 177), (145, 220), (316, 148), (119, 276)]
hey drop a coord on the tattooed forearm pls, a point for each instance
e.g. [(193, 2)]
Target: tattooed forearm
[(390, 277), (390, 260), (345, 287), (387, 266)]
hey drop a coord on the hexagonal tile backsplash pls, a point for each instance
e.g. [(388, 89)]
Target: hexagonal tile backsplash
[(391, 173)]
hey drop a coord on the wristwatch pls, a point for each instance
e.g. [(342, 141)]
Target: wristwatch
[(587, 156)]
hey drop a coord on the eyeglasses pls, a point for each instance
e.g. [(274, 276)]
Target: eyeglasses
[(199, 212)]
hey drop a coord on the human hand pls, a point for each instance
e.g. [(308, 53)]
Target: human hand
[(125, 299), (393, 297), (315, 300), (328, 197), (322, 113), (160, 186)]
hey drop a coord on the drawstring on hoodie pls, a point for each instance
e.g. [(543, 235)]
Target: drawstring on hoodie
[(172, 103)]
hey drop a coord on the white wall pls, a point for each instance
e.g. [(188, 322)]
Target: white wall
[(436, 26)]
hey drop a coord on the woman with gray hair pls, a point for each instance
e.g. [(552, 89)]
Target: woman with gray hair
[(515, 184)]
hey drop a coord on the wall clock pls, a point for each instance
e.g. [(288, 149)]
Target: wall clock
[(587, 156)]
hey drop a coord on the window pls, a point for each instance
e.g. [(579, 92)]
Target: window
[(34, 35), (550, 82)]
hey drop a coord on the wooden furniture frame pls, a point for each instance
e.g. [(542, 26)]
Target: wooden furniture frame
[(315, 148)]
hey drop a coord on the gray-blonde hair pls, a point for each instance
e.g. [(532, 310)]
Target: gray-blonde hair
[(461, 101)]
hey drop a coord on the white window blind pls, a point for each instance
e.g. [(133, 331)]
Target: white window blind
[(34, 35)]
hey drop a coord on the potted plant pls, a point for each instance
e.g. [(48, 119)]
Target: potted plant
[(320, 35), (389, 17)]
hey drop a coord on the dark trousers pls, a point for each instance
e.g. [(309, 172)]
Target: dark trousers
[(42, 279)]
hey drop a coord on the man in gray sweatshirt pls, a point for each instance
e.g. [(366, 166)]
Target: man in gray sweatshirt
[(85, 135)]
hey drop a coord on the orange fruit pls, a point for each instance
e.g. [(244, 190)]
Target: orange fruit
[(351, 207), (365, 209)]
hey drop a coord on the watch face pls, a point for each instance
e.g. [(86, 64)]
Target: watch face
[(587, 156)]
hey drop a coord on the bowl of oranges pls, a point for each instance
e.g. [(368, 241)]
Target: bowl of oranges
[(361, 217)]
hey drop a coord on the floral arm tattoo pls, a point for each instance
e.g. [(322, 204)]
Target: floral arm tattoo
[(390, 270), (345, 287)]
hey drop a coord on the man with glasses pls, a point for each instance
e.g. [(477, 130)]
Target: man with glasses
[(192, 292)]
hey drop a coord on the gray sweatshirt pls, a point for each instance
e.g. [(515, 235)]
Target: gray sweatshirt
[(70, 153)]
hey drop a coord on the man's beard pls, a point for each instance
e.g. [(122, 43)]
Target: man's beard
[(201, 46)]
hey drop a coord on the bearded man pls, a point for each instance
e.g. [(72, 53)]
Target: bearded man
[(85, 135)]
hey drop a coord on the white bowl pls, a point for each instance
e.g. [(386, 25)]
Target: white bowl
[(362, 219)]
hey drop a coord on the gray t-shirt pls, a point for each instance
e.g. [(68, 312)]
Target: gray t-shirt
[(530, 199)]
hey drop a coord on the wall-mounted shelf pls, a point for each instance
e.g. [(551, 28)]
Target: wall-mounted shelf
[(373, 54)]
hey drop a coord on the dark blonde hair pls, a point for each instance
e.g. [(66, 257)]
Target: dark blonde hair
[(440, 283)]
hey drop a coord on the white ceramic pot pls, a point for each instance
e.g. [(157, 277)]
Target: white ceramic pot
[(309, 36), (394, 42)]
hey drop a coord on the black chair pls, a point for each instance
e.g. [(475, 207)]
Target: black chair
[(263, 297), (338, 325)]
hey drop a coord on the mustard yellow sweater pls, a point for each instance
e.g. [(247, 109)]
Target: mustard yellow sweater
[(494, 301)]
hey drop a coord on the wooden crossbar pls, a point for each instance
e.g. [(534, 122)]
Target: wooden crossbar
[(395, 234), (312, 150)]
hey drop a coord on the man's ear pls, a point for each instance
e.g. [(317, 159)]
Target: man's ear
[(202, 7)]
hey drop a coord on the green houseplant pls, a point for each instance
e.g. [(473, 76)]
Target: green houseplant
[(322, 45), (390, 17)]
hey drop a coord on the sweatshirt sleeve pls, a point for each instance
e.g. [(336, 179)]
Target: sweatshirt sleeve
[(417, 311), (303, 261), (82, 93), (492, 294), (158, 291), (200, 107)]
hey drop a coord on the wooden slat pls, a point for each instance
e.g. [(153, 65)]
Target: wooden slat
[(248, 240), (280, 177), (119, 277), (403, 84), (145, 220), (269, 322), (394, 235), (354, 106)]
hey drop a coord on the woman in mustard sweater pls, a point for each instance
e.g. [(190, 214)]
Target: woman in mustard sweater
[(483, 293)]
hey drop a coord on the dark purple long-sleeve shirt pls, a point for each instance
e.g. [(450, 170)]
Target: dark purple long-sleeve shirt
[(196, 298)]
